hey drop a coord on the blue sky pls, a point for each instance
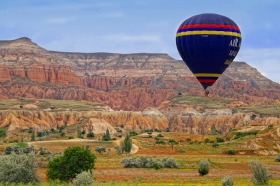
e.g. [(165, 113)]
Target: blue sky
[(127, 26)]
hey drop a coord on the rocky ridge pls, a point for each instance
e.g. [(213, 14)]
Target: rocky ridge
[(123, 81)]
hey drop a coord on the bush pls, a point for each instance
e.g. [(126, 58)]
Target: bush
[(133, 133), (169, 163), (160, 136), (231, 152), (260, 173), (148, 162), (227, 181), (90, 135), (220, 140), (118, 149), (277, 158), (84, 178), (3, 133), (204, 167), (243, 134), (74, 161), (160, 142), (270, 126), (181, 151), (215, 145), (206, 140), (18, 169), (100, 149)]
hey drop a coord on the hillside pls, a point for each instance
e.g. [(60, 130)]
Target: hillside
[(122, 81)]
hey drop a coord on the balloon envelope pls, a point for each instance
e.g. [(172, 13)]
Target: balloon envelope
[(208, 43)]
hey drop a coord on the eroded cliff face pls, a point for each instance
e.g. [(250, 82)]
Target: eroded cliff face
[(123, 81), (188, 121), (213, 121), (44, 120)]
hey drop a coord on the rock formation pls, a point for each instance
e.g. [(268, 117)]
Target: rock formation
[(123, 81)]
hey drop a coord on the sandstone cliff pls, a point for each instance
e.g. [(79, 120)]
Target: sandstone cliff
[(123, 81)]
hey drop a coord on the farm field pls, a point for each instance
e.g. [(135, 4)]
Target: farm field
[(109, 170)]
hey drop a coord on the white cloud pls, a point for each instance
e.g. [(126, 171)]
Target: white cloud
[(266, 60)]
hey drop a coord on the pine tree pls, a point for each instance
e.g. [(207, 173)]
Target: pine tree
[(33, 136), (127, 144), (108, 134)]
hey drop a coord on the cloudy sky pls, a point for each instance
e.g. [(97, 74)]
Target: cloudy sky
[(131, 26)]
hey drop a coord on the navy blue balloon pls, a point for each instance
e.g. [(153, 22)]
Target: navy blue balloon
[(208, 43)]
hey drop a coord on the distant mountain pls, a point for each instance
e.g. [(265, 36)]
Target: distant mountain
[(122, 81)]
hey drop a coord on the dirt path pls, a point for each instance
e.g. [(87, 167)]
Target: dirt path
[(134, 149)]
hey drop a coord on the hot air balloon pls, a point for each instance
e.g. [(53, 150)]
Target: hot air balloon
[(208, 43)]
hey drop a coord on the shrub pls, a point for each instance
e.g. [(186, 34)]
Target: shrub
[(3, 133), (204, 167), (270, 126), (160, 136), (220, 140), (62, 134), (133, 133), (215, 145), (157, 165), (148, 162), (160, 142), (206, 140), (74, 161), (8, 150), (242, 134), (90, 135), (118, 149), (231, 152), (100, 149), (277, 158), (181, 151), (30, 130), (18, 169), (260, 173), (170, 163), (227, 181), (84, 178)]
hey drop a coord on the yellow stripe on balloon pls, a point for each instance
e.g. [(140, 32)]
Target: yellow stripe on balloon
[(206, 32), (206, 75)]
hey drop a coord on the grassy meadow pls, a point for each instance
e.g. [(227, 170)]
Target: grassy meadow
[(188, 152)]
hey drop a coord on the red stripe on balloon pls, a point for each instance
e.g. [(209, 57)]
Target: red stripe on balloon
[(207, 80), (208, 26)]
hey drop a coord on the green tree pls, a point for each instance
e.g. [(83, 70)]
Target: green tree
[(90, 135), (127, 144), (33, 136), (203, 168), (106, 136), (3, 133), (172, 142), (74, 161), (260, 173)]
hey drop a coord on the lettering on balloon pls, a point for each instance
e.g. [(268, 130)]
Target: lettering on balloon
[(233, 53), (234, 43)]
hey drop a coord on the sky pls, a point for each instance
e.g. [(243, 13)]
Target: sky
[(141, 26)]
